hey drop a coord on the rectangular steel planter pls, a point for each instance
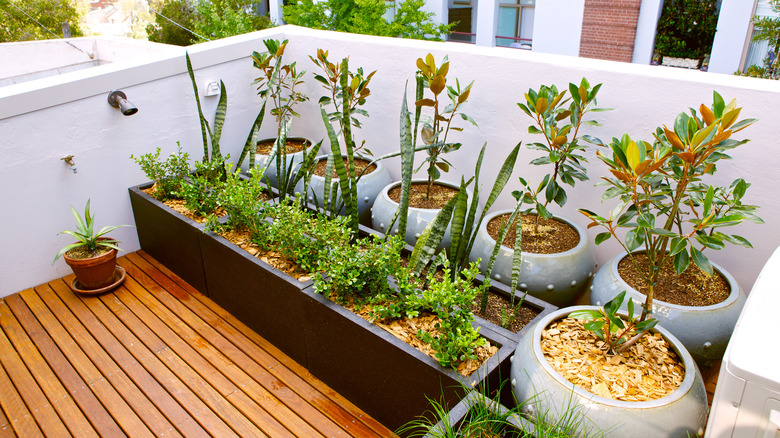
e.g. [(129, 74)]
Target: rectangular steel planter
[(171, 238), (458, 415), (269, 301), (380, 373)]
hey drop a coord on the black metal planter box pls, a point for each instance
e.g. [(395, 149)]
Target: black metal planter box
[(269, 301), (171, 238), (458, 416), (386, 377)]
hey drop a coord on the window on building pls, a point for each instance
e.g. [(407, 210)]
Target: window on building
[(460, 12), (515, 24), (758, 50)]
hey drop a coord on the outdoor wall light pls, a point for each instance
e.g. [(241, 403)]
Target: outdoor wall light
[(118, 99)]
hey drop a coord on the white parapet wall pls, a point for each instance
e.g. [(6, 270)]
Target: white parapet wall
[(44, 120)]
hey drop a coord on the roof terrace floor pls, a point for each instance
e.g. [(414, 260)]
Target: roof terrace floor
[(153, 358)]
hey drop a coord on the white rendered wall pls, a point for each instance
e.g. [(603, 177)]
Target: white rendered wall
[(487, 22), (558, 26), (70, 116), (729, 43), (644, 42)]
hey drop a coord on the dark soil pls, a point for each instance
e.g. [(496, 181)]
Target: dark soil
[(293, 145), (497, 305), (418, 196), (550, 237), (691, 288), (360, 164), (81, 252)]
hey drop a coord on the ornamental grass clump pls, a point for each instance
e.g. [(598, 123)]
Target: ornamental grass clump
[(667, 208)]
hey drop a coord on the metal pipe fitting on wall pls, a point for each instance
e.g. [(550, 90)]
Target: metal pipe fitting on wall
[(118, 99)]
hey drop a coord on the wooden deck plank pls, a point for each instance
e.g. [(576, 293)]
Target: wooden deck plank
[(250, 375), (6, 430), (94, 411), (258, 345), (216, 400), (21, 420), (243, 347), (36, 401), (70, 341), (142, 375), (260, 406), (61, 401), (153, 357)]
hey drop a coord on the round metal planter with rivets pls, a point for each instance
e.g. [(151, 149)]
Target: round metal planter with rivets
[(384, 210), (705, 331), (296, 158), (368, 188), (680, 414), (555, 278)]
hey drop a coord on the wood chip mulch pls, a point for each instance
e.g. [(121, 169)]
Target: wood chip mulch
[(403, 329), (648, 370), (179, 205), (243, 240), (407, 329)]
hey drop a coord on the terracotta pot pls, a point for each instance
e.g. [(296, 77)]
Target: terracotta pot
[(94, 272)]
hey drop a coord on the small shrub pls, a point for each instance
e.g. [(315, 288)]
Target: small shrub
[(360, 270), (168, 175), (201, 192), (241, 199), (300, 236)]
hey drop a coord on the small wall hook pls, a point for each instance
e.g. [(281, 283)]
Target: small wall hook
[(69, 161), (118, 99)]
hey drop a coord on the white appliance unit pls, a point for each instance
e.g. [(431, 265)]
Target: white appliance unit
[(747, 397)]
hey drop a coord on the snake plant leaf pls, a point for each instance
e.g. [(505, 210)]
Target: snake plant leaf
[(203, 123), (502, 178), (250, 146), (219, 121), (458, 239), (431, 237), (407, 162)]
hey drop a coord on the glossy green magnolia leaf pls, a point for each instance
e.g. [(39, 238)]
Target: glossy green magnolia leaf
[(701, 261), (681, 261), (586, 314), (602, 237)]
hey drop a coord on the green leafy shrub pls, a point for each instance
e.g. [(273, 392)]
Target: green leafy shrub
[(299, 235), (360, 270), (241, 199), (201, 191), (168, 175), (686, 28)]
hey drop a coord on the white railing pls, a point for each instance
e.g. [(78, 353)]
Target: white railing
[(44, 120)]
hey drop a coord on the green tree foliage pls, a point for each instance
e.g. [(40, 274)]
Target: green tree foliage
[(686, 28), (366, 17), (768, 29), (210, 19), (223, 18), (18, 19), (166, 31)]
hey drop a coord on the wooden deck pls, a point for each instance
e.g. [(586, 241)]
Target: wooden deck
[(153, 358)]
